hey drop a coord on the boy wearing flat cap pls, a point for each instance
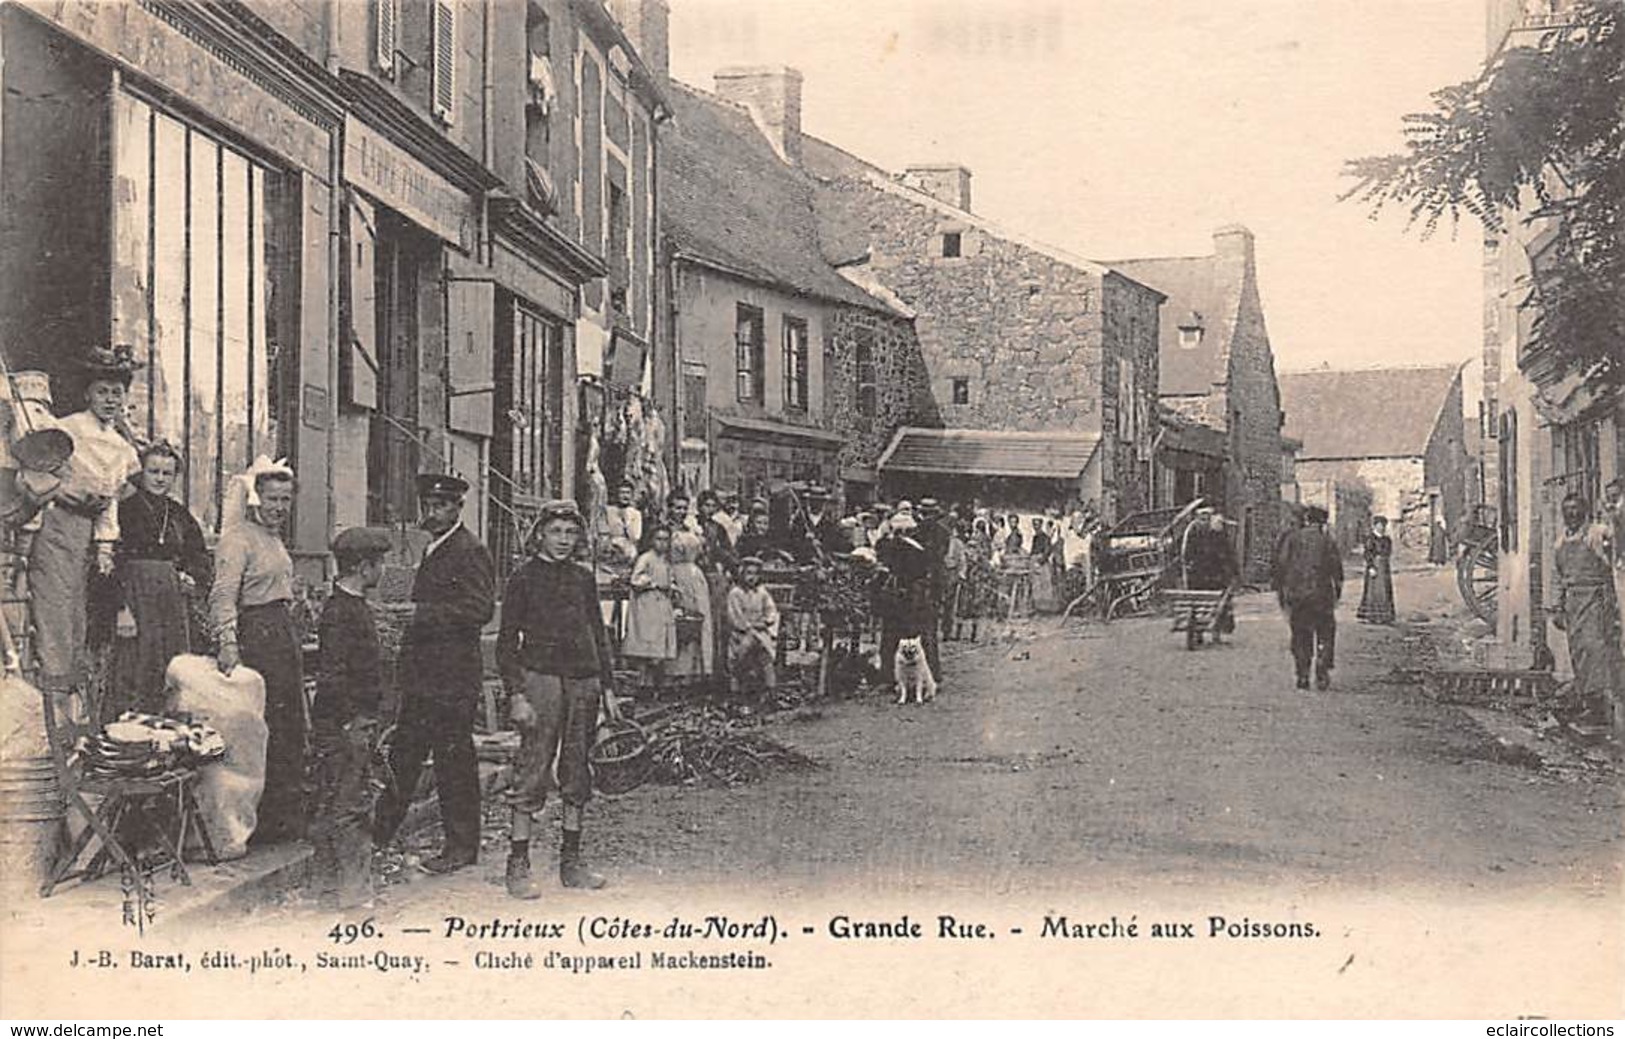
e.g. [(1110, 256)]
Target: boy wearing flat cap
[(344, 721), (556, 665)]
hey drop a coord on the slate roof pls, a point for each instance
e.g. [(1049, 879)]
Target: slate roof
[(728, 200), (1192, 284), (981, 452), (1374, 413)]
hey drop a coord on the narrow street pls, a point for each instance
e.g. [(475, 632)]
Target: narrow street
[(1059, 755)]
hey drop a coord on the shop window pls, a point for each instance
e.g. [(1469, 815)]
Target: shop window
[(961, 391), (198, 224), (748, 354), (795, 364), (528, 453), (865, 358)]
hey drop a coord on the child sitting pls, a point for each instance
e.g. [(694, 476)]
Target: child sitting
[(753, 625)]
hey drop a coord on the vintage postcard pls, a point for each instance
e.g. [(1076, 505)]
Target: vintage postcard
[(773, 509)]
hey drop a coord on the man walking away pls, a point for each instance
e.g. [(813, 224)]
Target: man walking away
[(441, 672), (1310, 572)]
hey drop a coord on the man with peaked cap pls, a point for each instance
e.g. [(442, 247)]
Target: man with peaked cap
[(441, 672)]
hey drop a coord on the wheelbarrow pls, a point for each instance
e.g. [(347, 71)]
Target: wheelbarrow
[(1196, 612)]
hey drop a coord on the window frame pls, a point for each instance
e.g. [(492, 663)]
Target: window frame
[(959, 390), (865, 373), (796, 363), (955, 239), (750, 381)]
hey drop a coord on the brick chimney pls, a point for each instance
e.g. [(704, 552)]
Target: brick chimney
[(945, 182), (1233, 244), (772, 96), (647, 23)]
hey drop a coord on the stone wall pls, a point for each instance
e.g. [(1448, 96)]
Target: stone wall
[(1130, 426), (1022, 329), (1253, 402), (902, 384)]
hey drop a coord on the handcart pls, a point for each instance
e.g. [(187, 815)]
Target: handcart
[(1196, 612)]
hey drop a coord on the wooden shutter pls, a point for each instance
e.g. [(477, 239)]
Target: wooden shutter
[(358, 363), (386, 22), (444, 58), (470, 313)]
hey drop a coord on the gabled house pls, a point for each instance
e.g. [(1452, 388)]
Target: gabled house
[(1394, 436), (1216, 368), (1018, 336), (786, 370)]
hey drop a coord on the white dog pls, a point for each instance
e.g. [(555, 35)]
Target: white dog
[(914, 673)]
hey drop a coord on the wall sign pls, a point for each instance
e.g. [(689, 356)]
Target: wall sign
[(388, 173)]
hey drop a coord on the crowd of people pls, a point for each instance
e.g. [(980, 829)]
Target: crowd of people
[(697, 613)]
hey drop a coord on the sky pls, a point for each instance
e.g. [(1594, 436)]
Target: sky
[(1129, 128)]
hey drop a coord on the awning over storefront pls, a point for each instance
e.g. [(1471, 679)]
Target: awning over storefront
[(985, 452)]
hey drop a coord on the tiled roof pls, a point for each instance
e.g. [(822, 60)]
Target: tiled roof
[(980, 452), (1193, 286), (1374, 413), (728, 200)]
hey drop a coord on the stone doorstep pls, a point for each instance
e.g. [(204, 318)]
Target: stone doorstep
[(232, 888)]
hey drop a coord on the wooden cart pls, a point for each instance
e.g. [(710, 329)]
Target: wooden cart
[(1196, 612)]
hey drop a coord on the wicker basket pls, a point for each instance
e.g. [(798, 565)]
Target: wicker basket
[(620, 757)]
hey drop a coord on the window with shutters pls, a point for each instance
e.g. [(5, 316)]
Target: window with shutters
[(386, 20), (443, 57), (795, 364), (748, 354)]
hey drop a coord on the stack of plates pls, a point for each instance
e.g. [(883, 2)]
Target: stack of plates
[(140, 745)]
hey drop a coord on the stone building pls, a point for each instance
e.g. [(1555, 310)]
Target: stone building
[(1392, 437), (1550, 432), (1217, 369), (1017, 336), (371, 237), (789, 371)]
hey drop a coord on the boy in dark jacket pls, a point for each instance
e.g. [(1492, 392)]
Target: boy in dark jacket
[(344, 722), (556, 665)]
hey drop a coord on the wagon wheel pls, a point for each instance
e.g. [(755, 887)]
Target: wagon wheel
[(1476, 576)]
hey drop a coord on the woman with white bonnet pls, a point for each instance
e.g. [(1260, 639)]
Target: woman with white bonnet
[(250, 606)]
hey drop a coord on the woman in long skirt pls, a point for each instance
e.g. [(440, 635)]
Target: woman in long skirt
[(251, 607), (1377, 599), (695, 660), (651, 622), (79, 528), (161, 559)]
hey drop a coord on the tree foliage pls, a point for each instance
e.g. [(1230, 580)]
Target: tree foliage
[(1539, 135)]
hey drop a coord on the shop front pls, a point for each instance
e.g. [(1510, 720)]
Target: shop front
[(753, 455), (179, 207)]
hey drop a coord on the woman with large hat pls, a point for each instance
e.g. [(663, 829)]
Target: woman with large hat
[(79, 527)]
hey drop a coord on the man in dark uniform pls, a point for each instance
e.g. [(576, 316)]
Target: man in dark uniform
[(934, 536), (1309, 573), (903, 599), (440, 673)]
